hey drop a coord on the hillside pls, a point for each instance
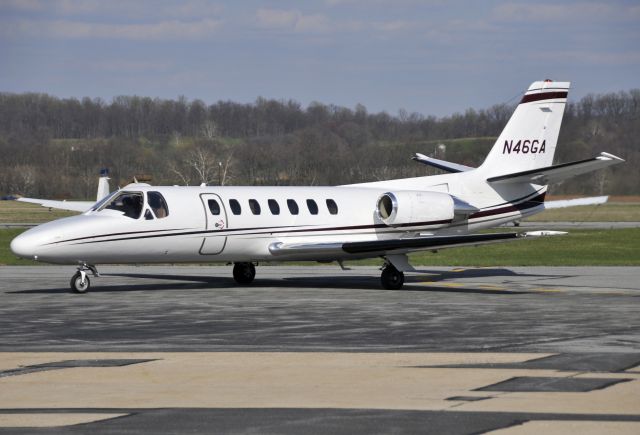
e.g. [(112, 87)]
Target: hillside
[(55, 147)]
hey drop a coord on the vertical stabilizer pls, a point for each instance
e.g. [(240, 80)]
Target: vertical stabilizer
[(529, 139), (103, 184)]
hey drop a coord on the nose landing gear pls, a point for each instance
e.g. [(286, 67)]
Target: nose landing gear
[(80, 282)]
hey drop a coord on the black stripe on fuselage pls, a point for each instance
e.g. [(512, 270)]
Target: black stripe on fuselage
[(116, 234), (533, 202), (228, 230), (268, 231), (522, 198)]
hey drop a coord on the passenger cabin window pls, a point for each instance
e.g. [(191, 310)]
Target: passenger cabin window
[(274, 206), (148, 215), (214, 207), (312, 206), (128, 203), (293, 206), (254, 206), (332, 206), (235, 206), (158, 204)]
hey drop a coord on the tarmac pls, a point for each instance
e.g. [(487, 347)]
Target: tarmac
[(182, 349)]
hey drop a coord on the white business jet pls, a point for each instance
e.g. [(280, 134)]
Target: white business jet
[(389, 219)]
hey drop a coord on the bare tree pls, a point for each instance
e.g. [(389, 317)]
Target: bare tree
[(201, 165), (209, 129), (24, 178), (224, 168), (181, 171)]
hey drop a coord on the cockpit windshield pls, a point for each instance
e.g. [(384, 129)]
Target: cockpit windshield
[(98, 205), (129, 203)]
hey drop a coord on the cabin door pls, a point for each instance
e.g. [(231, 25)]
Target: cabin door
[(216, 216)]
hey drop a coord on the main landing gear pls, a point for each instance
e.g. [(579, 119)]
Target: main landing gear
[(391, 278), (80, 281), (244, 273)]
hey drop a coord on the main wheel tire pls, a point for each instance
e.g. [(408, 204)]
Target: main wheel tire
[(391, 278), (244, 273), (76, 283)]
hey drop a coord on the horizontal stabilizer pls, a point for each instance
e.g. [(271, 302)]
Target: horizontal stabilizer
[(398, 246), (440, 164), (556, 173), (79, 206)]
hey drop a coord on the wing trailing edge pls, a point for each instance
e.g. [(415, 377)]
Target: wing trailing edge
[(399, 246)]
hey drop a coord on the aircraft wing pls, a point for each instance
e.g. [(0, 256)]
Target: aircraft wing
[(399, 246), (441, 164), (562, 203), (79, 206), (555, 173)]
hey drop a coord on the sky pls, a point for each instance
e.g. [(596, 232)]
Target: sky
[(434, 57)]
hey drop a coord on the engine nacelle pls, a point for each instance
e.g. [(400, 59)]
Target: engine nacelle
[(415, 207)]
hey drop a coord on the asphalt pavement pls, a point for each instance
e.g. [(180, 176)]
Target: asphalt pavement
[(175, 349)]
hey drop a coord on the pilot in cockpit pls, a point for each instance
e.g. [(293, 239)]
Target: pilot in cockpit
[(132, 204)]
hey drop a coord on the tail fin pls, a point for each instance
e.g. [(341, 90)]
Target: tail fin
[(103, 184), (529, 139)]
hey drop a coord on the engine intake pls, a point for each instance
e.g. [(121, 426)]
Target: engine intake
[(415, 207)]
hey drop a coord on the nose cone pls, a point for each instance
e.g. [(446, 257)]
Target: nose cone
[(24, 246)]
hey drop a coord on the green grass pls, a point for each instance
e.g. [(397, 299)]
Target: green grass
[(22, 212), (620, 247), (6, 256), (610, 212)]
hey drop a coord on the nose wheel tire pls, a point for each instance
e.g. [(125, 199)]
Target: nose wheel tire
[(78, 285), (244, 273), (391, 278)]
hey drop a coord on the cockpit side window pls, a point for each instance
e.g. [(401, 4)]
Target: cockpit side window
[(158, 204), (129, 203)]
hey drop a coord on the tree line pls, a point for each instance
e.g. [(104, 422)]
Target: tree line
[(54, 147)]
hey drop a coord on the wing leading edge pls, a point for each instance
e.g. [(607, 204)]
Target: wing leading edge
[(80, 206), (441, 164)]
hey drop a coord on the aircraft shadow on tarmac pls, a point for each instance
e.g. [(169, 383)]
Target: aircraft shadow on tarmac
[(200, 282)]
